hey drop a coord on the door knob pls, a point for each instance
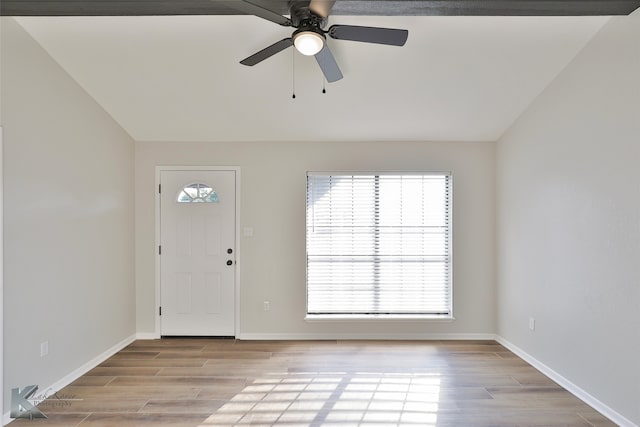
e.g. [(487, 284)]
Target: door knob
[(229, 262)]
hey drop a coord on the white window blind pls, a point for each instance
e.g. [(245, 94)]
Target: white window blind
[(379, 244)]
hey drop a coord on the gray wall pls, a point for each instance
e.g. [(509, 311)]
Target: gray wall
[(569, 222), (68, 219), (272, 265)]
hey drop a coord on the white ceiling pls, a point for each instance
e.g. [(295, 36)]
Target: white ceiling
[(177, 78)]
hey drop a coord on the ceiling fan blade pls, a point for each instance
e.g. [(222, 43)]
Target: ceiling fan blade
[(321, 8), (390, 36), (328, 64), (267, 52), (253, 9)]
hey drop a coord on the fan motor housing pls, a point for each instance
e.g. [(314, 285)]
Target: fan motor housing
[(302, 16), (305, 28)]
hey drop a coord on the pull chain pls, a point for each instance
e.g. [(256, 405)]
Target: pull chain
[(323, 88), (293, 73)]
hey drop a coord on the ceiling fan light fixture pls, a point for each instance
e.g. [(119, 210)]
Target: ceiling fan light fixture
[(308, 42)]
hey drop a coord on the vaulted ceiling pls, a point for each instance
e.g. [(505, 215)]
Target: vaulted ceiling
[(178, 78), (342, 7)]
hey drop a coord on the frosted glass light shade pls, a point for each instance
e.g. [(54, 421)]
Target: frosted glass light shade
[(308, 42)]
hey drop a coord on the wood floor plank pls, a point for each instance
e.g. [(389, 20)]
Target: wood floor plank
[(182, 406), (528, 393), (135, 355), (183, 382), (596, 419), (92, 381), (156, 363), (143, 420), (132, 392), (213, 371), (220, 393), (91, 405), (52, 420), (234, 355), (121, 371), (177, 381)]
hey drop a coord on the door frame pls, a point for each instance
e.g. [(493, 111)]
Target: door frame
[(1, 278), (235, 169)]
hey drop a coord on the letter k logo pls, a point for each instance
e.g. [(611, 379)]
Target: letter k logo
[(21, 407)]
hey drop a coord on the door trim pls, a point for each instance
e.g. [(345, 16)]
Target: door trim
[(1, 278), (235, 169)]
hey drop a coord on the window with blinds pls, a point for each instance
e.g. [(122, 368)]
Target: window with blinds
[(379, 244)]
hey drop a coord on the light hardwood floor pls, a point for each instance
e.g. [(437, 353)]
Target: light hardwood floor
[(208, 382)]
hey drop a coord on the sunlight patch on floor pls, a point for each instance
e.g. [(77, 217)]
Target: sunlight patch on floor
[(327, 399)]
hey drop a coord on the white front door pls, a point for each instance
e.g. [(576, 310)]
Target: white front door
[(197, 252)]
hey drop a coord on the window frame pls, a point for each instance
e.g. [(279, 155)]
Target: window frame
[(437, 317)]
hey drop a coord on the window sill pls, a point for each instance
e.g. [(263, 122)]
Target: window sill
[(377, 318)]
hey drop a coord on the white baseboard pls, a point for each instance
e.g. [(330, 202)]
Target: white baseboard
[(361, 336), (344, 336), (147, 336), (77, 373), (568, 385)]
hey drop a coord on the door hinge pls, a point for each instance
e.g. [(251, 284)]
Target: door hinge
[(160, 188), (160, 311), (159, 249)]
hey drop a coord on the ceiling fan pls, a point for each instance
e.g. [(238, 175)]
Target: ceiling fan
[(309, 18)]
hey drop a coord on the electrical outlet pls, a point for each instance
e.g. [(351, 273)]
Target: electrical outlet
[(44, 348), (532, 324), (266, 306)]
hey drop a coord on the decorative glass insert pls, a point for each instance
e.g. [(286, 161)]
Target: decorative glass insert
[(197, 193)]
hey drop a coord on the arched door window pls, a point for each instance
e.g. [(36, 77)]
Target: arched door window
[(197, 193)]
